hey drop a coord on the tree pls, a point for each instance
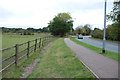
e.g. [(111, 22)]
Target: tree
[(78, 30), (114, 15), (113, 31), (84, 30), (45, 29), (87, 28), (97, 33), (61, 24), (31, 29), (5, 30)]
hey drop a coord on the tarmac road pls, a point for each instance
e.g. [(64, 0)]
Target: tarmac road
[(113, 47)]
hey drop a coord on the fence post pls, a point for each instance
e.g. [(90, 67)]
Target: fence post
[(40, 43), (16, 54), (44, 40), (28, 50), (35, 45), (47, 39)]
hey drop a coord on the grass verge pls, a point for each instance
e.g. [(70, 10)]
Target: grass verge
[(109, 54), (60, 62)]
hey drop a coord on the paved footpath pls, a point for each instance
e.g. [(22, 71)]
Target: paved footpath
[(100, 65)]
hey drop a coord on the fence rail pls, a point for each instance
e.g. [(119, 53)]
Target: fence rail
[(12, 54), (8, 48)]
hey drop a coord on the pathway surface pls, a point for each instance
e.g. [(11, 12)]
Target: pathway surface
[(102, 66), (28, 70), (97, 43)]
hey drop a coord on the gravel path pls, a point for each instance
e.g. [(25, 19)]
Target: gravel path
[(100, 65)]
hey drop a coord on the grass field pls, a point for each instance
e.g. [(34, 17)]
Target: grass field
[(60, 62), (9, 40), (109, 54), (12, 39)]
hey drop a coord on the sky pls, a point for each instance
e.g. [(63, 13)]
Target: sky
[(38, 13)]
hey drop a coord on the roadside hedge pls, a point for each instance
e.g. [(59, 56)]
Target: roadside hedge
[(112, 32)]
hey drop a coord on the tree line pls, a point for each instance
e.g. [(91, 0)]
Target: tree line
[(83, 29), (28, 31), (112, 32), (60, 25)]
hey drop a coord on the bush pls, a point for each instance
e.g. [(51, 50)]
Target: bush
[(97, 34), (112, 32)]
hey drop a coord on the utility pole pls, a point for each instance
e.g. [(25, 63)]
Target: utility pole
[(104, 35)]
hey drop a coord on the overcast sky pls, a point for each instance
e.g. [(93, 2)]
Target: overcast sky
[(38, 13)]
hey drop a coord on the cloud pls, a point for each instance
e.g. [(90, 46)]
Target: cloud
[(37, 13), (5, 14)]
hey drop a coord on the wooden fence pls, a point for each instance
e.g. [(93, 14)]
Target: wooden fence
[(13, 54)]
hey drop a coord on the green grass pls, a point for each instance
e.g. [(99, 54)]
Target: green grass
[(109, 54), (60, 62), (16, 72), (9, 40)]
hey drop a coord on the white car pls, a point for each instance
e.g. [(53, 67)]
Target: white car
[(80, 36)]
